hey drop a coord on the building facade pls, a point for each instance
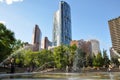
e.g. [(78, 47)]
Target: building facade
[(90, 47), (36, 39), (114, 26), (62, 25), (95, 47), (46, 43), (85, 46)]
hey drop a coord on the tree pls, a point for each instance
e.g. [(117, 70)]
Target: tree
[(115, 61), (17, 44), (71, 54), (20, 57), (98, 60), (45, 56), (7, 40), (89, 60), (61, 57), (82, 57), (105, 59)]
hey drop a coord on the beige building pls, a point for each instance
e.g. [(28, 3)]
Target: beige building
[(114, 26), (90, 47), (95, 47)]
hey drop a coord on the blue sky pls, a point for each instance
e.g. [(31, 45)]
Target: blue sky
[(89, 18)]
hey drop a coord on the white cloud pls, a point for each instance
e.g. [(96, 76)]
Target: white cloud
[(10, 1), (1, 0), (2, 22)]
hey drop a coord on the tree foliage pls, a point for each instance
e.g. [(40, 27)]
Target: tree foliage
[(105, 59), (33, 59), (7, 40), (98, 60), (17, 44), (61, 56)]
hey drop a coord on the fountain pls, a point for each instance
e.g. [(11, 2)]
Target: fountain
[(115, 52), (41, 68), (76, 68), (9, 57), (38, 74)]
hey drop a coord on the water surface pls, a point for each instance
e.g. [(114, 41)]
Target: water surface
[(62, 76)]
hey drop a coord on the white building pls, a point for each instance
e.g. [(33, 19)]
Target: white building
[(95, 47)]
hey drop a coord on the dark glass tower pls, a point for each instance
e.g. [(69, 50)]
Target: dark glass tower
[(62, 25)]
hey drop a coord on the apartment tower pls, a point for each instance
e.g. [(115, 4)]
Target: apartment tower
[(114, 26)]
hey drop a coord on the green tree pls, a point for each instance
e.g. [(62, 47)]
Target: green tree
[(82, 58), (98, 60), (45, 56), (115, 61), (61, 57), (89, 60), (105, 58), (17, 44), (71, 54), (7, 40), (19, 58)]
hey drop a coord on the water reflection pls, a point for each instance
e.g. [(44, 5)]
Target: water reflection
[(64, 76)]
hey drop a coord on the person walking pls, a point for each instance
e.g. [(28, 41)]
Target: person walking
[(12, 66)]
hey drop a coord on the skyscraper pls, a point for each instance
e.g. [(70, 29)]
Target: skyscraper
[(62, 25), (114, 26), (36, 40)]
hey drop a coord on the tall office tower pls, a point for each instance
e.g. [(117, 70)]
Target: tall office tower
[(36, 40), (114, 26), (62, 25)]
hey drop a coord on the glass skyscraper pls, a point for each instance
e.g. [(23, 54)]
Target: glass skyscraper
[(62, 25)]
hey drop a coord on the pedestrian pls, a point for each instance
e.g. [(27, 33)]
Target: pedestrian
[(12, 66), (28, 69)]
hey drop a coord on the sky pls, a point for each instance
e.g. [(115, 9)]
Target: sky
[(89, 18)]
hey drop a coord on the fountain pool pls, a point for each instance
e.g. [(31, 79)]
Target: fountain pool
[(62, 76)]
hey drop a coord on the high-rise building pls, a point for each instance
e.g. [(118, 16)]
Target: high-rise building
[(95, 47), (46, 43), (90, 47), (36, 39), (62, 25), (85, 46), (114, 26)]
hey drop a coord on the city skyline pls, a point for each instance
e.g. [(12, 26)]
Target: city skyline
[(89, 18)]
